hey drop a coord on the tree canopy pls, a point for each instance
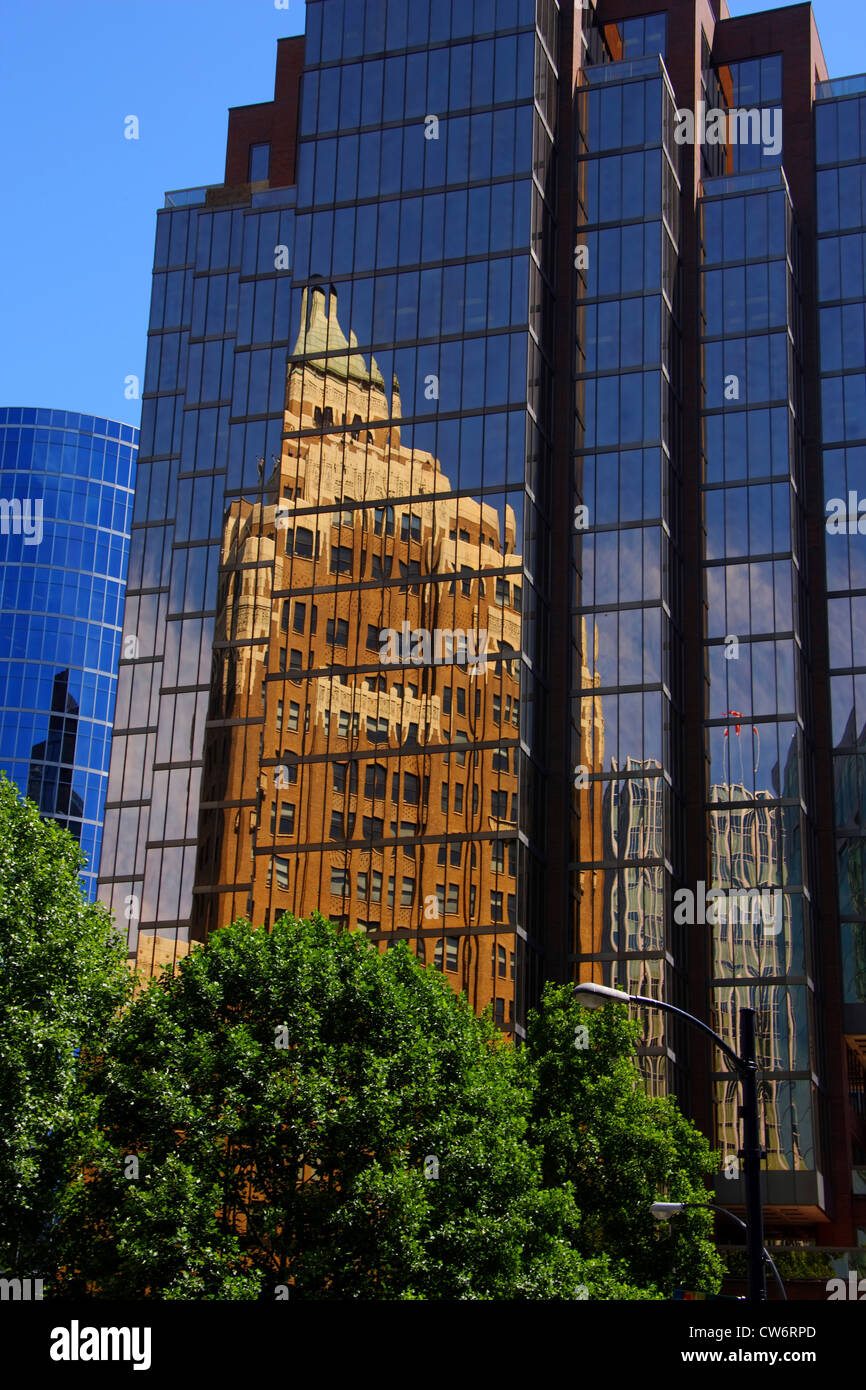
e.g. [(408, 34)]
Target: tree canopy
[(63, 978), (618, 1148), (293, 1113), (311, 1118), (310, 1115)]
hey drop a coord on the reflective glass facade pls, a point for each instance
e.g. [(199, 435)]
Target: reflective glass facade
[(753, 87), (841, 180), (476, 574), (759, 808), (66, 489), (627, 709), (338, 561)]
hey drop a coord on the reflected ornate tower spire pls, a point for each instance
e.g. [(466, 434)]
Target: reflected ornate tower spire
[(381, 790)]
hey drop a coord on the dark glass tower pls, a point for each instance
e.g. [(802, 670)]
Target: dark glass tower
[(66, 489), (481, 559)]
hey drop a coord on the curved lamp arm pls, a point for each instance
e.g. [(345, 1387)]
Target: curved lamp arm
[(663, 1211), (593, 996)]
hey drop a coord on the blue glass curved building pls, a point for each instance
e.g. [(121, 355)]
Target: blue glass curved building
[(66, 492)]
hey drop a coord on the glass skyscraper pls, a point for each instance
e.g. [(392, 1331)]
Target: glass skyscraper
[(479, 574), (66, 490)]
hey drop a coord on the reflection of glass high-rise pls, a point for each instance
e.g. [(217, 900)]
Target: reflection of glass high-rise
[(52, 764), (470, 341), (66, 485)]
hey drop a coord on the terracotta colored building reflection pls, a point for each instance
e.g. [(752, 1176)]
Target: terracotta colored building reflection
[(361, 748)]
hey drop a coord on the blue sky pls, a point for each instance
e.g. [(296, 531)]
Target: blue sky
[(76, 238)]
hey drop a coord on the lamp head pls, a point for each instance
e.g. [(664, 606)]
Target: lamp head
[(664, 1211), (596, 996)]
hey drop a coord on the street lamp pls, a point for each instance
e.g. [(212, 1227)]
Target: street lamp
[(597, 996), (665, 1211)]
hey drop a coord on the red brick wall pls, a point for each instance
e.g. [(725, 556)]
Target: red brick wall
[(269, 122)]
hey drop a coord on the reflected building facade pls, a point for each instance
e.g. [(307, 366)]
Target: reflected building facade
[(478, 564), (698, 572), (66, 489), (626, 501), (762, 828), (347, 421), (840, 136), (49, 782), (361, 748)]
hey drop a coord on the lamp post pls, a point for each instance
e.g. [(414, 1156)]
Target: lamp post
[(597, 996)]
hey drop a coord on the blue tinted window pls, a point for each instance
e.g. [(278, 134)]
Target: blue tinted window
[(260, 160)]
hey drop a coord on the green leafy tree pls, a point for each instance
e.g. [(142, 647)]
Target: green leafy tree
[(63, 977), (294, 1110), (618, 1148), (308, 1114)]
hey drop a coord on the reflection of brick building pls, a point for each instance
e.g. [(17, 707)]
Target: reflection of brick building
[(590, 761), (634, 831), (634, 894), (751, 951), (382, 794)]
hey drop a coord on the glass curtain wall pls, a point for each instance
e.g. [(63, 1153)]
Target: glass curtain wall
[(628, 703), (66, 487), (341, 527), (212, 410), (383, 600), (758, 799), (841, 158)]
